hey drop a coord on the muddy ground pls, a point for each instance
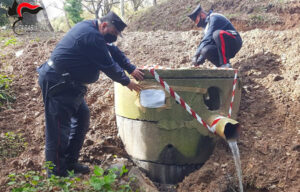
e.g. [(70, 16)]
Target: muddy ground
[(269, 63)]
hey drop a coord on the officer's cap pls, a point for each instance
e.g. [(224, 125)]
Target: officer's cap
[(114, 19), (195, 13)]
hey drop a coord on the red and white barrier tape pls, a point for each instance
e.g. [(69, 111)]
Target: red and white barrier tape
[(153, 67), (233, 92), (181, 101), (212, 127), (214, 123)]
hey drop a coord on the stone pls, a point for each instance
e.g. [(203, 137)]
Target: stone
[(258, 133), (278, 78), (141, 181), (88, 142)]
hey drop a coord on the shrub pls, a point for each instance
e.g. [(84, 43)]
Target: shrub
[(11, 145), (5, 92)]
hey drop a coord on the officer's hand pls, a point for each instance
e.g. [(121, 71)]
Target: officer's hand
[(138, 74), (194, 60), (134, 86), (200, 60)]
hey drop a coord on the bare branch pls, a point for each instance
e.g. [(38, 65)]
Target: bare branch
[(87, 8)]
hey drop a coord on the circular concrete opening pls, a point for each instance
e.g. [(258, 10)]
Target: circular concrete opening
[(212, 98)]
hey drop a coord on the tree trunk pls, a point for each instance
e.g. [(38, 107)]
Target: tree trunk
[(66, 15), (136, 4), (46, 16), (97, 11), (122, 7), (154, 3), (67, 19), (106, 7)]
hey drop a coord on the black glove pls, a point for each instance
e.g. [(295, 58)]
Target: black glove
[(198, 60)]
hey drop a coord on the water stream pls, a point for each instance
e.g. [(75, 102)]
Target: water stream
[(237, 161)]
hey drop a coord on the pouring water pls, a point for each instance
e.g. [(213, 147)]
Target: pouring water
[(237, 161)]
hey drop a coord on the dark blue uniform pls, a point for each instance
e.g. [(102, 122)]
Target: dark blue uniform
[(220, 42), (82, 54)]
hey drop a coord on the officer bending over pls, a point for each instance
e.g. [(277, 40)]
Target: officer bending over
[(76, 61), (221, 41)]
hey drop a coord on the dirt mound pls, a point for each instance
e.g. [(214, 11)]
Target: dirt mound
[(269, 144), (171, 15)]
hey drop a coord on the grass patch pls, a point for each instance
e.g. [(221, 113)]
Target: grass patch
[(11, 41), (11, 145), (256, 19)]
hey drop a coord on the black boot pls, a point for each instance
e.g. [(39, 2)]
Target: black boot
[(78, 168)]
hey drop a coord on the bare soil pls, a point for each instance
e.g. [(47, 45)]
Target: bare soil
[(269, 63), (244, 14)]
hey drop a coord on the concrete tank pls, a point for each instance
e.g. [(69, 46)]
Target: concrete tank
[(164, 140)]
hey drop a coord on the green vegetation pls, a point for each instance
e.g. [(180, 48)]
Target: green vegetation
[(4, 4), (59, 24), (11, 41), (232, 15), (35, 40), (74, 10), (255, 19), (11, 145), (5, 92), (32, 181), (100, 180), (3, 18)]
